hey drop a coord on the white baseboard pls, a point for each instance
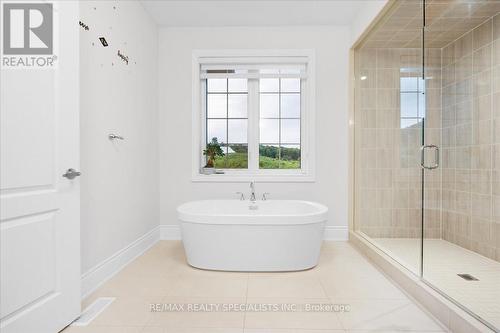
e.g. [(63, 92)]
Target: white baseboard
[(336, 233), (332, 233), (102, 272), (170, 232)]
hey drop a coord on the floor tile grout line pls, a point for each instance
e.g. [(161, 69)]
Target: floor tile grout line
[(333, 302), (246, 302)]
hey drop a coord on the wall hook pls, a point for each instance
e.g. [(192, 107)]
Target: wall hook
[(84, 26), (103, 41), (113, 136), (123, 57)]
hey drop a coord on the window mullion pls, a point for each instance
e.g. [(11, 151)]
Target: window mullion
[(204, 128), (253, 125)]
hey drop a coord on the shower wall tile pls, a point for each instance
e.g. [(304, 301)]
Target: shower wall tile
[(448, 116), (387, 98), (482, 83), (496, 27), (369, 80), (463, 157), (464, 112), (482, 59), (389, 58), (480, 157), (495, 80), (388, 78), (448, 55), (433, 98), (463, 68), (463, 46), (462, 202), (463, 90), (367, 58), (384, 159), (448, 158), (449, 137), (388, 173), (482, 132), (368, 98), (471, 132), (482, 35), (463, 180), (448, 179), (387, 118), (448, 75), (433, 78), (449, 94), (368, 118), (464, 135), (482, 108), (496, 209), (481, 182)]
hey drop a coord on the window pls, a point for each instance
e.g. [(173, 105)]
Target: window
[(259, 109), (227, 120), (279, 146), (412, 95)]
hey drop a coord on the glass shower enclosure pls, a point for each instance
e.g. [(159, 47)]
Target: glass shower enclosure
[(427, 146)]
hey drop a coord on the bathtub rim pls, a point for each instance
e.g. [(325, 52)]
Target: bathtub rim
[(319, 216)]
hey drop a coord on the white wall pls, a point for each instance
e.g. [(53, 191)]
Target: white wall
[(119, 198), (365, 16), (175, 55)]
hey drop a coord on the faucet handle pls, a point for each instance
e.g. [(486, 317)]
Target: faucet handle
[(264, 196), (242, 196)]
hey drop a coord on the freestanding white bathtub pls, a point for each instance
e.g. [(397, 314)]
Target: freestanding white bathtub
[(234, 235)]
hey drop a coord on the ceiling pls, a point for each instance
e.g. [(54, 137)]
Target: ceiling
[(223, 13)]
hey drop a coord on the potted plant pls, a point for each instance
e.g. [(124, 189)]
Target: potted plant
[(212, 151)]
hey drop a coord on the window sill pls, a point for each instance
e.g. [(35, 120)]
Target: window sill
[(263, 178)]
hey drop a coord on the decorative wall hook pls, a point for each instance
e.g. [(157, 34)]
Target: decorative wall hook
[(84, 26), (103, 41), (123, 57), (113, 136)]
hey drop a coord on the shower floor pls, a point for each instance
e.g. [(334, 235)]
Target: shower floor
[(442, 262)]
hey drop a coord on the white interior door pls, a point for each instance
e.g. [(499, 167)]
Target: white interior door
[(40, 217)]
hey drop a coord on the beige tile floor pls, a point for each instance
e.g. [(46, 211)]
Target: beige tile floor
[(343, 276), (442, 262)]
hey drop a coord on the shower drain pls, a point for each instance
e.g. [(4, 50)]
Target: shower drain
[(468, 277)]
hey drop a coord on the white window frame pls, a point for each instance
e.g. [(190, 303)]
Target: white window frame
[(307, 171)]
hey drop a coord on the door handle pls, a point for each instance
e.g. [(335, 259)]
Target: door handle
[(422, 156), (72, 173)]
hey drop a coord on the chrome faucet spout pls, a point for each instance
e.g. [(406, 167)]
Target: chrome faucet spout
[(252, 189)]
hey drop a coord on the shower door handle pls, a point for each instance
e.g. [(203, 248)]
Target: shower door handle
[(422, 157)]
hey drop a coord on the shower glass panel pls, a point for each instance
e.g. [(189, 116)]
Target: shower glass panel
[(461, 252), (389, 115)]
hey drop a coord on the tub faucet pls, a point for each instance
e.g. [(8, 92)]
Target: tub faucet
[(252, 189)]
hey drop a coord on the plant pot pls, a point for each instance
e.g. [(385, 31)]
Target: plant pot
[(208, 171)]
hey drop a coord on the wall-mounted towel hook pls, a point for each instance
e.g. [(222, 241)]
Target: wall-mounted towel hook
[(83, 25), (123, 57), (103, 41), (113, 136)]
